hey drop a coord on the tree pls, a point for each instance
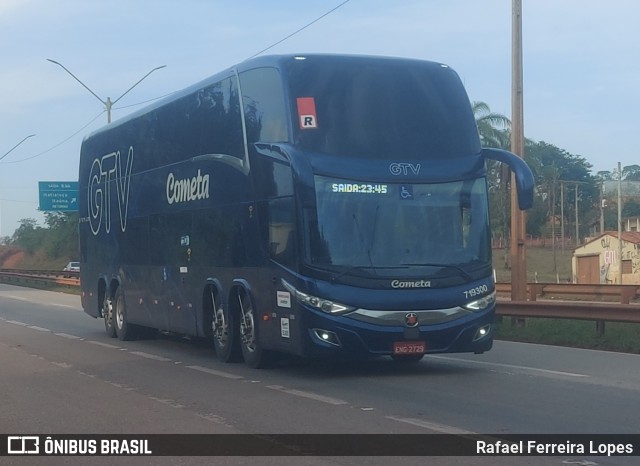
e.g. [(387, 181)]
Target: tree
[(62, 235), (631, 208), (552, 166), (493, 128), (631, 173), (27, 235), (58, 241)]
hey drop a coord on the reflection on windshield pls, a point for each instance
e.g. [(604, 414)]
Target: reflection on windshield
[(389, 226)]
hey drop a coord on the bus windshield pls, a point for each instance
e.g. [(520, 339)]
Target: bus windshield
[(391, 227), (380, 109)]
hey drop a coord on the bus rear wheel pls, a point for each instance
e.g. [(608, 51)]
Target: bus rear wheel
[(254, 355), (225, 341), (107, 314)]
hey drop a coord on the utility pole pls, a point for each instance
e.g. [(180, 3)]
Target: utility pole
[(561, 215), (577, 223), (518, 223), (107, 103), (619, 223), (602, 202)]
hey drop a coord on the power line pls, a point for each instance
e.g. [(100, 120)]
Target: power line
[(58, 144), (144, 102), (301, 29), (160, 97)]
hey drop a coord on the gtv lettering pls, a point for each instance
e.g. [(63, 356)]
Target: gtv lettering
[(106, 172), (402, 168)]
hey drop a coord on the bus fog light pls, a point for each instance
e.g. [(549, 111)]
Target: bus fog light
[(482, 332), (327, 336)]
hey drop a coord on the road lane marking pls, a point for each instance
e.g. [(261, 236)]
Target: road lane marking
[(66, 306), (15, 322), (226, 375), (39, 329), (150, 356), (17, 298), (70, 337), (309, 395), (64, 365), (442, 428), (510, 366), (105, 345)]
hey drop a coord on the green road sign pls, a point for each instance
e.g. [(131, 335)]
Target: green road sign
[(58, 196)]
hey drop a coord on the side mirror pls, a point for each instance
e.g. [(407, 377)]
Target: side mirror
[(524, 177)]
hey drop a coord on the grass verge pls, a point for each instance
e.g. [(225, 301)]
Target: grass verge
[(618, 336)]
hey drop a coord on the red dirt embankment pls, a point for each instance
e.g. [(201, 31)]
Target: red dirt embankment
[(10, 258)]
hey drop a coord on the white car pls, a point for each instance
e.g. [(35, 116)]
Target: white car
[(72, 267)]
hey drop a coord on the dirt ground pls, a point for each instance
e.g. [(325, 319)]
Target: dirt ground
[(10, 259)]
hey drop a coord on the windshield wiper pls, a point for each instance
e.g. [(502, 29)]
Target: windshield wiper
[(463, 272), (348, 270)]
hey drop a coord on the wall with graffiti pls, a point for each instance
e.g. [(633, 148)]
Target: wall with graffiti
[(603, 253)]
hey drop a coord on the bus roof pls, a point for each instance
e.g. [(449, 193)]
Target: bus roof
[(276, 61)]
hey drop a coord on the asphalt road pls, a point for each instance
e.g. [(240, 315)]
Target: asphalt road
[(60, 373)]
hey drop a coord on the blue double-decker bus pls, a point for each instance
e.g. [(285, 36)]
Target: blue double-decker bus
[(315, 205)]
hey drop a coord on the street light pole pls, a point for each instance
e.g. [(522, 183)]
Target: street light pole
[(108, 103), (14, 147)]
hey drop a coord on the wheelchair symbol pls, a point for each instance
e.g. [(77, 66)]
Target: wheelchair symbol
[(406, 192)]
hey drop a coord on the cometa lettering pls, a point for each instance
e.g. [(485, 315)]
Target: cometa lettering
[(187, 189), (411, 284)]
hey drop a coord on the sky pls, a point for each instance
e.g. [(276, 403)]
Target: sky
[(581, 66)]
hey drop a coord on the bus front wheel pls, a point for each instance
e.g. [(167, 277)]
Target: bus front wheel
[(124, 329)]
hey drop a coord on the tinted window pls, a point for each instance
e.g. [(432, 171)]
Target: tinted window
[(380, 108), (264, 109), (205, 122)]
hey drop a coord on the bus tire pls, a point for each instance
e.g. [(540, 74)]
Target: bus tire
[(107, 314), (254, 355), (224, 331), (124, 329)]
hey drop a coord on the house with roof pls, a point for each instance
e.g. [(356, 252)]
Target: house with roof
[(599, 261)]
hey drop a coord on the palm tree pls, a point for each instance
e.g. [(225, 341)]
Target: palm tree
[(494, 131), (493, 128)]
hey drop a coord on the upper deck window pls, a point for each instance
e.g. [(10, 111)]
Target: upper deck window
[(264, 108), (380, 108)]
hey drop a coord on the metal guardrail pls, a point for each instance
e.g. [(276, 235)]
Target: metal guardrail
[(625, 293), (42, 278), (577, 309)]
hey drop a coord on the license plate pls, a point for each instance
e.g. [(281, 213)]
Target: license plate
[(409, 347)]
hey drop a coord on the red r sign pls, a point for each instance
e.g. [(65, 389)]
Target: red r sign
[(307, 113)]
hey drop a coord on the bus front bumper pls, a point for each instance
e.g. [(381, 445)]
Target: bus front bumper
[(388, 333)]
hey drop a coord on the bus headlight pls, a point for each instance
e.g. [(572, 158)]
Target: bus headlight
[(482, 303), (325, 305)]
